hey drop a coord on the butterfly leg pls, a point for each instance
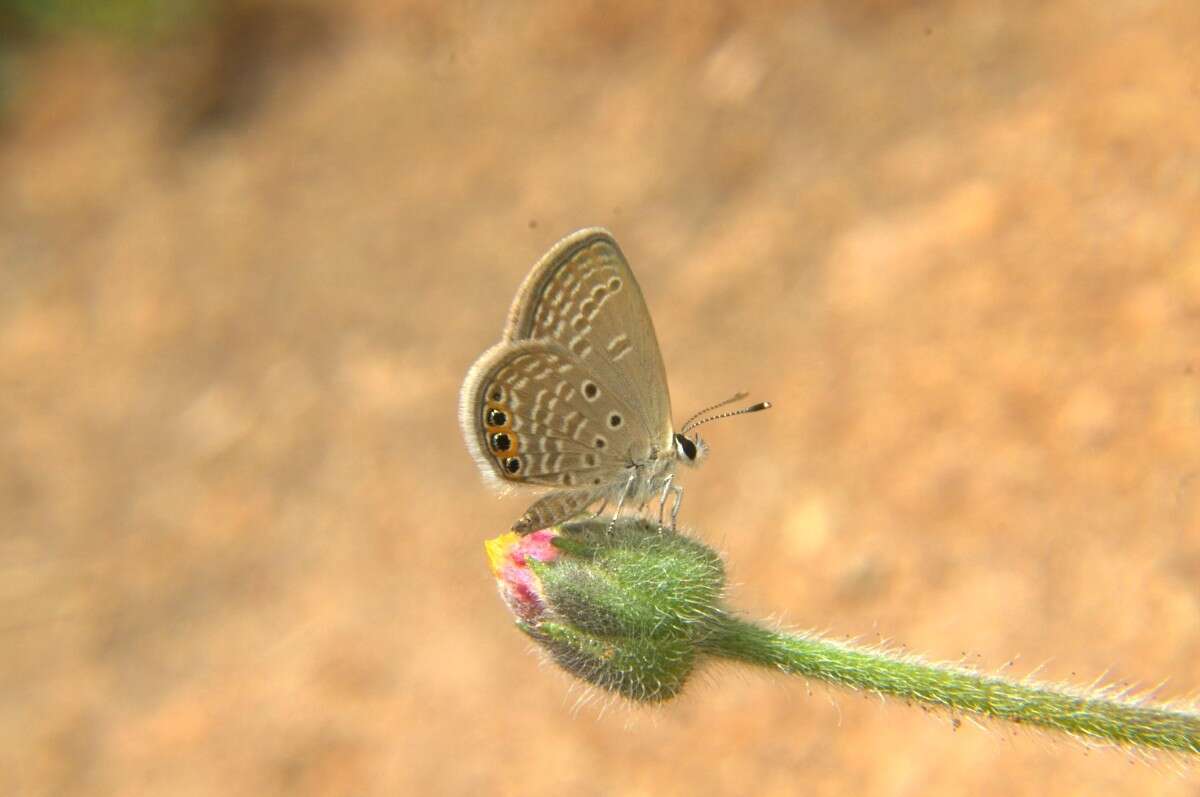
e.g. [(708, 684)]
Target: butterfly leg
[(662, 499), (621, 501), (675, 488)]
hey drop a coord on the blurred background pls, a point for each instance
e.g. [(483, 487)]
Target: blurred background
[(248, 250)]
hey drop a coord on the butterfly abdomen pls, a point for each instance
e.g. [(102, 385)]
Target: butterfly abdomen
[(553, 509)]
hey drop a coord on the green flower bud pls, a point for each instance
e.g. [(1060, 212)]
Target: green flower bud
[(631, 607), (625, 608)]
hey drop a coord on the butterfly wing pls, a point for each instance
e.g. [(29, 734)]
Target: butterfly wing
[(533, 414), (583, 295)]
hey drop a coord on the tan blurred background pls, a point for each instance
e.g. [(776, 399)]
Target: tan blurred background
[(249, 249)]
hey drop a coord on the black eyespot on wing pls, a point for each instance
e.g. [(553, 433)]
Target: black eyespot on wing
[(590, 391), (494, 417), (501, 442), (600, 442), (615, 420), (512, 464)]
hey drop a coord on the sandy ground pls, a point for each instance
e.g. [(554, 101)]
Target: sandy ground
[(243, 277)]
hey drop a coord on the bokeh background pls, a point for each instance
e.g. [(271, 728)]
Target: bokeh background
[(248, 250)]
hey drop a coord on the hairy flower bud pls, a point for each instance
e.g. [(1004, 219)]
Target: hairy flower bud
[(624, 608), (631, 607)]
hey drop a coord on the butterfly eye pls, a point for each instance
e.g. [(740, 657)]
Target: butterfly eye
[(685, 447)]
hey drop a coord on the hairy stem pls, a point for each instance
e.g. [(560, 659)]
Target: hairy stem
[(1089, 715)]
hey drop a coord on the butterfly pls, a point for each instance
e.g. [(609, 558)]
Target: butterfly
[(573, 400)]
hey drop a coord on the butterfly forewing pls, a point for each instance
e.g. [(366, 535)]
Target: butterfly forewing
[(583, 296)]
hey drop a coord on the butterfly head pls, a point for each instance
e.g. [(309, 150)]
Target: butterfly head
[(690, 450)]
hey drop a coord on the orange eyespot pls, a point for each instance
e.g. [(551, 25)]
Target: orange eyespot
[(502, 441), (495, 417)]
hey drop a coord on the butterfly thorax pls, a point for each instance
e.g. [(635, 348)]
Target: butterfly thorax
[(648, 476)]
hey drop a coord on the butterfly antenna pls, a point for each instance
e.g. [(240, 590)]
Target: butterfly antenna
[(735, 397), (692, 423)]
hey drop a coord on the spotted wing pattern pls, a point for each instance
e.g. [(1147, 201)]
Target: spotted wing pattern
[(531, 414), (573, 399), (583, 295)]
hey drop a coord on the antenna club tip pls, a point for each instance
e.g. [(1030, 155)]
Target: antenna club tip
[(762, 405)]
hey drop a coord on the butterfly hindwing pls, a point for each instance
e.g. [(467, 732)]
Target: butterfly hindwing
[(531, 414)]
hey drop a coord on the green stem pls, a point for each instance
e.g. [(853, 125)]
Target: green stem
[(1095, 716)]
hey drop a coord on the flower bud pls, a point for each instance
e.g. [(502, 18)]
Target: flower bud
[(624, 608), (630, 607)]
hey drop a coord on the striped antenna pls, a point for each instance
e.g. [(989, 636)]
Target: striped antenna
[(696, 420)]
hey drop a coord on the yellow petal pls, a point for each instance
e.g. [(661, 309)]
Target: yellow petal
[(498, 550)]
